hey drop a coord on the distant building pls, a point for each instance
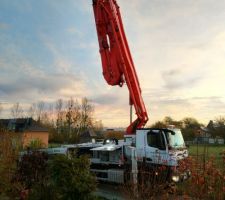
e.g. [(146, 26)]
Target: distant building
[(114, 129), (202, 135), (26, 129), (88, 136), (205, 134)]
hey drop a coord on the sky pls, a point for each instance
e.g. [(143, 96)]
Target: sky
[(49, 50)]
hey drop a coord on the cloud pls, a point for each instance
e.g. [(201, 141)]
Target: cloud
[(105, 99), (47, 87), (61, 64), (178, 48), (176, 58), (203, 108), (112, 116), (176, 78), (27, 82), (112, 105)]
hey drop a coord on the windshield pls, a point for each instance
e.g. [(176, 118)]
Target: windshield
[(175, 140)]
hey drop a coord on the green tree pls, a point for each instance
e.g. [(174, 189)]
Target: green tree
[(220, 129), (168, 120), (190, 128), (217, 127), (158, 124)]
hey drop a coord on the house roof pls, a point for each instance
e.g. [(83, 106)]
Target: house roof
[(205, 129), (214, 124), (89, 133), (22, 125)]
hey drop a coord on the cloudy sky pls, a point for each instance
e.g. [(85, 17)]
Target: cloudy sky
[(49, 50)]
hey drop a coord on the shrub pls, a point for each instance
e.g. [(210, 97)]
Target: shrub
[(207, 179), (32, 169), (59, 178), (72, 178), (152, 183), (9, 154), (36, 144)]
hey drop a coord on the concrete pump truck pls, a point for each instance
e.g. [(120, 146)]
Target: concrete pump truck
[(145, 149)]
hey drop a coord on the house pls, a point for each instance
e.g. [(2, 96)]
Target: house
[(88, 136), (211, 134), (26, 129), (202, 136)]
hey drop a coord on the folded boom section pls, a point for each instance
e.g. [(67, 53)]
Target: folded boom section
[(117, 63)]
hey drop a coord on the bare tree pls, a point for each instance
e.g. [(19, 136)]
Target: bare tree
[(16, 111), (69, 114), (59, 106), (51, 113), (59, 112), (220, 120), (1, 108), (76, 114), (32, 110), (86, 114), (40, 110)]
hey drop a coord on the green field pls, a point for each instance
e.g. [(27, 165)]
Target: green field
[(205, 152), (210, 150)]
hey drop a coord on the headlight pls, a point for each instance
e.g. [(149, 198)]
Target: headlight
[(175, 178), (185, 176), (189, 173)]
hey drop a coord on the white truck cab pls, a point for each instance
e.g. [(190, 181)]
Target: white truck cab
[(160, 146)]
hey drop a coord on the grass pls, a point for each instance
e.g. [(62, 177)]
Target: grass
[(211, 150), (53, 145), (208, 151)]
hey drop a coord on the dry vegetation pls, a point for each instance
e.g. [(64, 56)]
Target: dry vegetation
[(33, 176), (207, 181), (9, 150)]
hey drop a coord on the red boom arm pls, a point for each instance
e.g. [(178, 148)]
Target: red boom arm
[(116, 58)]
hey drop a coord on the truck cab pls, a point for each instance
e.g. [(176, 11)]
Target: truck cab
[(160, 146)]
